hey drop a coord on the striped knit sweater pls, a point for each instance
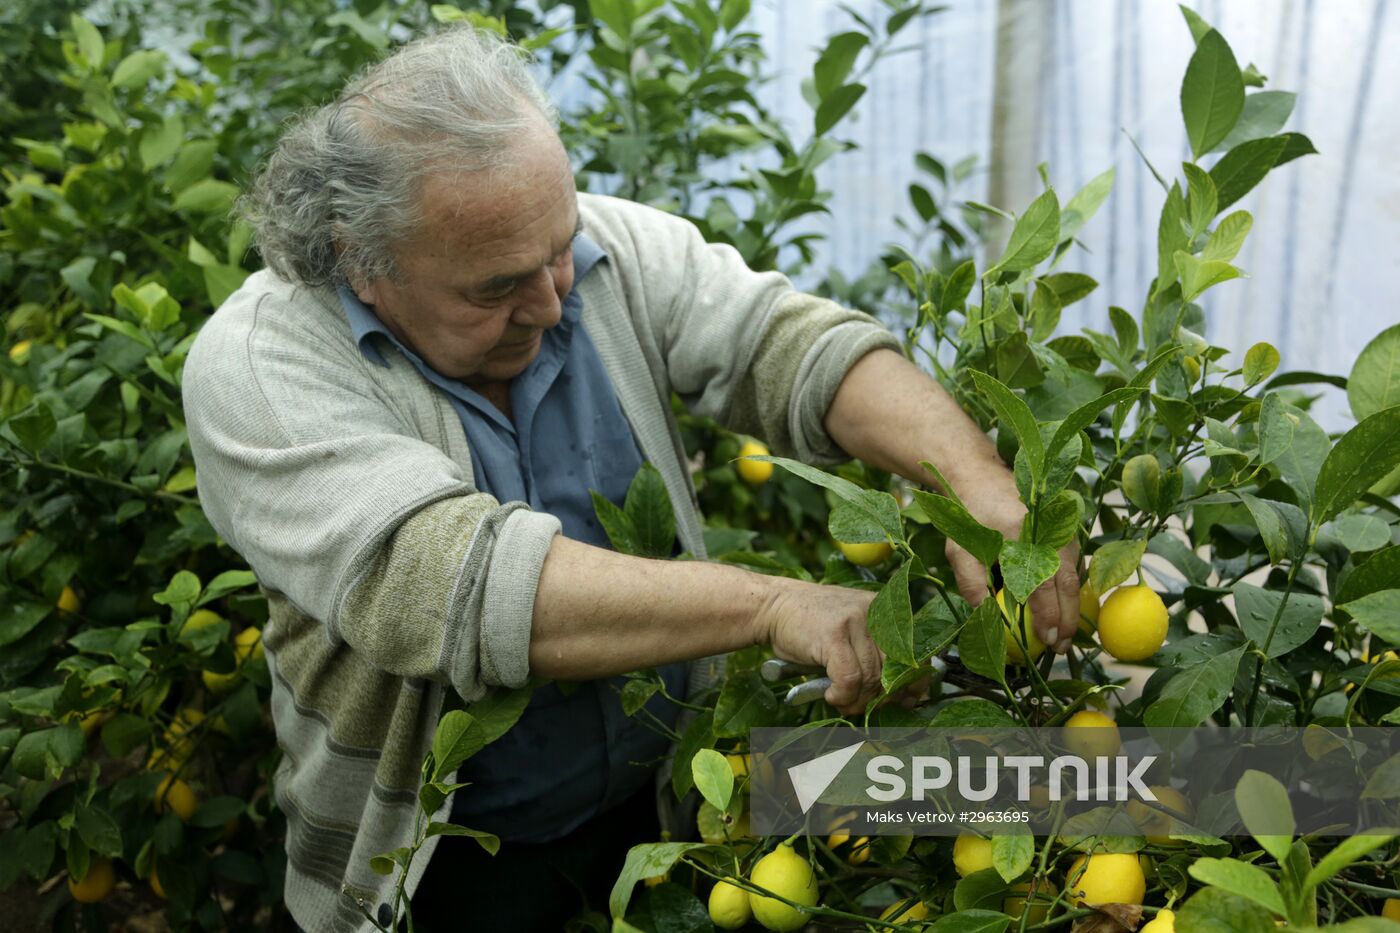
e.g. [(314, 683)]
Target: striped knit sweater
[(392, 583)]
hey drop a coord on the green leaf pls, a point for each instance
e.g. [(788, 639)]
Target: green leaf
[(645, 861), (160, 141), (1356, 532), (1275, 429), (1014, 415), (124, 733), (1115, 562), (90, 44), (126, 329), (1034, 236), (1212, 93), (958, 524), (745, 701), (98, 830), (958, 287), (1241, 878), (1272, 525), (982, 643), (1260, 361), (1197, 275), (1377, 572), (230, 581), (974, 920), (1361, 456), (617, 525), (1298, 618), (1198, 26), (138, 68), (1069, 287), (1025, 567), (1303, 459), (1377, 612), (1244, 166), (1264, 114), (183, 589), (195, 160), (1084, 205), (836, 61), (1012, 855), (1201, 198), (488, 841), (835, 106), (500, 709), (1086, 414), (206, 197), (1057, 521), (649, 507), (1192, 695), (1214, 910), (33, 427), (714, 779), (1374, 383), (891, 619), (45, 753), (854, 524), (1266, 812), (1172, 237), (456, 739), (19, 617), (1346, 852), (882, 509)]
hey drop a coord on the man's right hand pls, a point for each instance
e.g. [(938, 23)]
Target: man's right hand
[(824, 626)]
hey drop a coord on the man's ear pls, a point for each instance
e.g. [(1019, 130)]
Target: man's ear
[(365, 291)]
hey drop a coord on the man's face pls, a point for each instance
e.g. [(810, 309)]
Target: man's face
[(488, 271)]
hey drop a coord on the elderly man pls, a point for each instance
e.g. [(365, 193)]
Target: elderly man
[(398, 424)]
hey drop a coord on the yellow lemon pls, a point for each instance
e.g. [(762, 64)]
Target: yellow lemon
[(248, 644), (68, 601), (176, 794), (654, 880), (971, 854), (19, 353), (1091, 734), (177, 740), (785, 873), (1164, 922), (729, 906), (200, 618), (1132, 623), (1016, 905), (96, 884), (1109, 878), (93, 721), (739, 764), (754, 472), (1088, 608), (1155, 824), (1014, 654), (1391, 910), (155, 883), (905, 912), (860, 851), (219, 684), (867, 554)]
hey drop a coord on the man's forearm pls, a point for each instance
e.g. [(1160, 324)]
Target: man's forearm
[(891, 414), (599, 613)]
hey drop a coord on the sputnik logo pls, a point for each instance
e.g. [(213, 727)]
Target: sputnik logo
[(811, 778)]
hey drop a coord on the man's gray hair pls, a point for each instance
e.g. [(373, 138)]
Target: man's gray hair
[(341, 189)]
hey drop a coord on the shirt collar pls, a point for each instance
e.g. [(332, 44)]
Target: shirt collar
[(364, 322)]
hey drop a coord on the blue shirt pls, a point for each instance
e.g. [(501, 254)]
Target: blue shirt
[(574, 753)]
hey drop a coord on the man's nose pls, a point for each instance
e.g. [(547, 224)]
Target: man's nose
[(542, 304)]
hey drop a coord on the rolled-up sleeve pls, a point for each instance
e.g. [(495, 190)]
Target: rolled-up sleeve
[(318, 479), (743, 347)]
